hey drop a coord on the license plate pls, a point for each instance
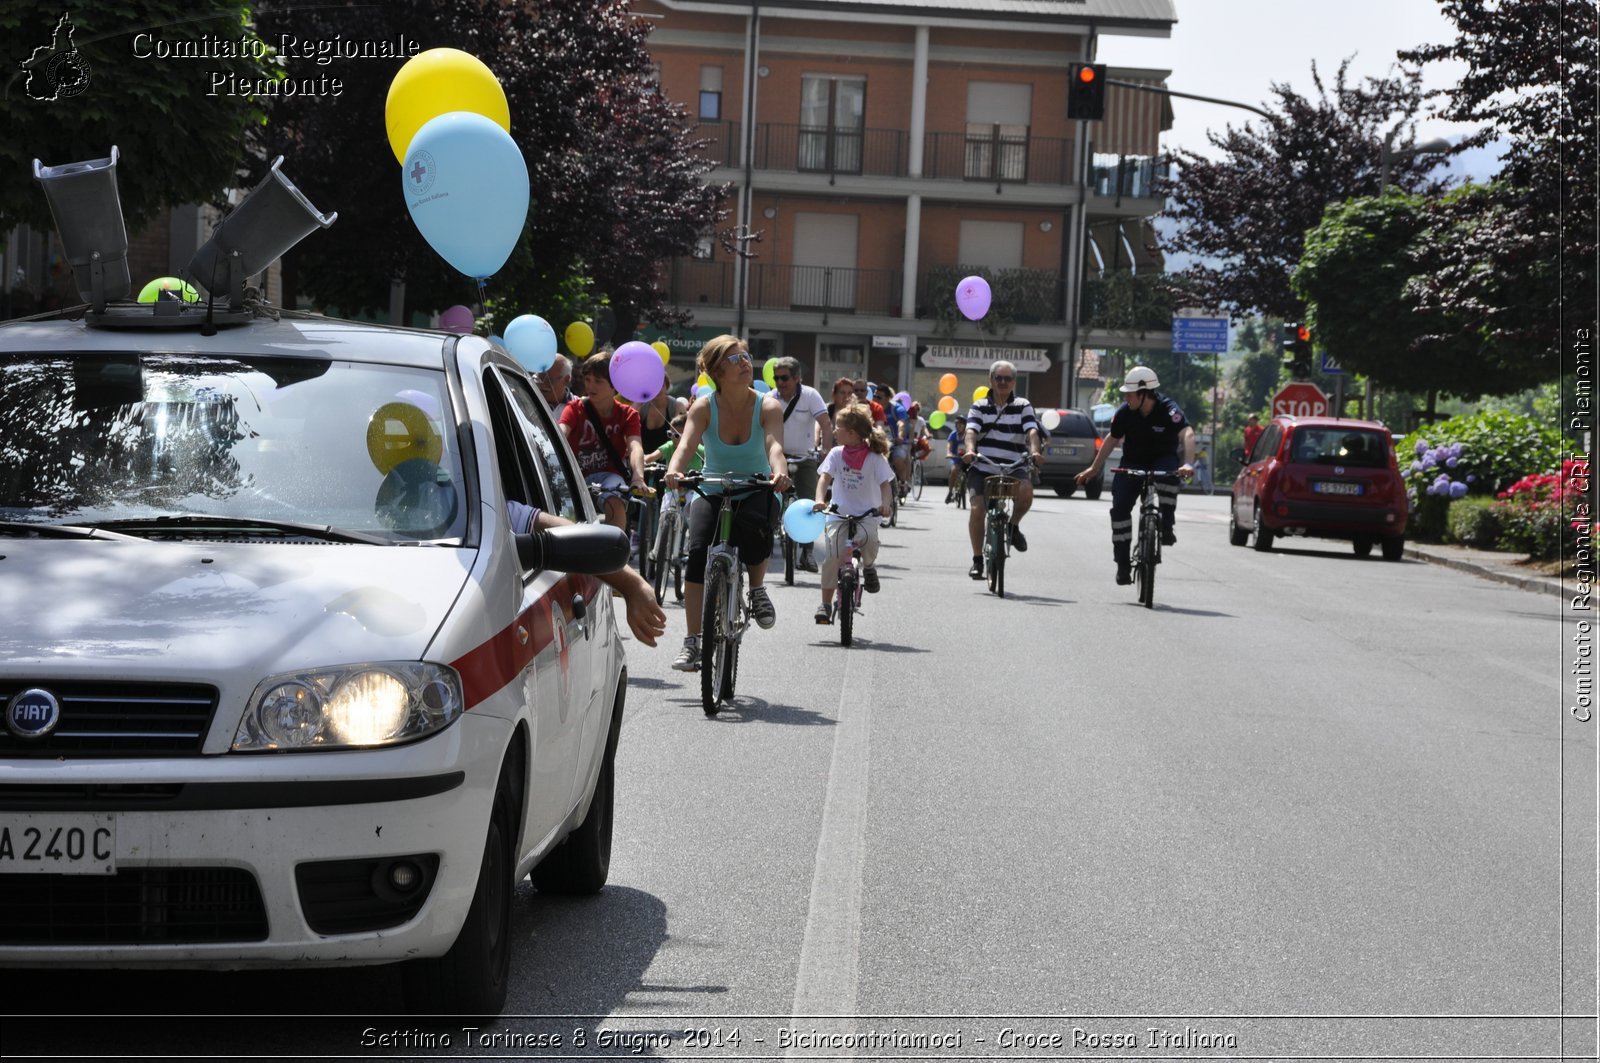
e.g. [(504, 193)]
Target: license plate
[(1062, 452), (1330, 487), (52, 843)]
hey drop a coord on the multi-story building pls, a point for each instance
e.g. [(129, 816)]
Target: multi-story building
[(883, 149)]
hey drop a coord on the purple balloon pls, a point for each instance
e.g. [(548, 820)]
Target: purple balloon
[(457, 319), (904, 399), (972, 297), (637, 372)]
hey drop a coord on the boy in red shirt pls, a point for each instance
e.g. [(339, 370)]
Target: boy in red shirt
[(616, 459)]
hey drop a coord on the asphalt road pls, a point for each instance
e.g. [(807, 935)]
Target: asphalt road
[(1309, 802)]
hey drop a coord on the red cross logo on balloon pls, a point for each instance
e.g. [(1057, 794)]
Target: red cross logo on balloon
[(421, 171)]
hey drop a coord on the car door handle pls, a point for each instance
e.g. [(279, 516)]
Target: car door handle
[(580, 614)]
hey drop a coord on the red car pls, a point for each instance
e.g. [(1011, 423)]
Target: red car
[(1324, 477)]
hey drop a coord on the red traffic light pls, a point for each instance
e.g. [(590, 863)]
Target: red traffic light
[(1086, 74)]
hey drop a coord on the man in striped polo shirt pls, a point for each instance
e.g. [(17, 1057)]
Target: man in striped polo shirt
[(1001, 428)]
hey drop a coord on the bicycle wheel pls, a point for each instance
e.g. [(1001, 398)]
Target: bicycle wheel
[(1149, 543), (663, 558), (994, 552), (788, 558), (731, 640), (894, 505), (845, 611), (916, 482), (713, 633)]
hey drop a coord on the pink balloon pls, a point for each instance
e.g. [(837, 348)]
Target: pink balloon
[(637, 372), (457, 319), (972, 297)]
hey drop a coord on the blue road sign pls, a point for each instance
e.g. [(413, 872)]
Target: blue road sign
[(1200, 335), (1329, 364)]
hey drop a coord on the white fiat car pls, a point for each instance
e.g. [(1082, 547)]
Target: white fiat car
[(280, 684)]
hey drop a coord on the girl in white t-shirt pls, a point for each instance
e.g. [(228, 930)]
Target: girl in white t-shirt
[(858, 472)]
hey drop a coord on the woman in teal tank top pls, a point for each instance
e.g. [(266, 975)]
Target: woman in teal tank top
[(742, 432)]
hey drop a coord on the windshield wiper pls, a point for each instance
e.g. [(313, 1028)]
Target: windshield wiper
[(203, 520), (58, 531)]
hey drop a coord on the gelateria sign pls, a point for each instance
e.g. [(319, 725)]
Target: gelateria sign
[(1026, 359)]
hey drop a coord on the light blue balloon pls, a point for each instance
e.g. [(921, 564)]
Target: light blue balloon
[(802, 523), (500, 340), (531, 341), (466, 185), (761, 387)]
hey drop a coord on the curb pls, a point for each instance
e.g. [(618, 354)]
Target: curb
[(1537, 584)]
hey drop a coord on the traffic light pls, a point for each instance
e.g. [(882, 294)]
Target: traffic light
[(1086, 91), (1297, 350)]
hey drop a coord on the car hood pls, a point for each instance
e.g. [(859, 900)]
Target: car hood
[(145, 606)]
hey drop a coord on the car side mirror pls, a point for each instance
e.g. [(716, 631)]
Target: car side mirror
[(578, 549)]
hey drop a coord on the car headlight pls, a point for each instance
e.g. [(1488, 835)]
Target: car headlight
[(352, 707)]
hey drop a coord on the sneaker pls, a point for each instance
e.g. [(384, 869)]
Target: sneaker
[(761, 608), (1168, 537), (689, 657), (1018, 540), (824, 614), (1124, 575), (976, 571), (869, 579)]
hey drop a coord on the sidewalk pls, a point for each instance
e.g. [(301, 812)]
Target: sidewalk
[(1489, 564)]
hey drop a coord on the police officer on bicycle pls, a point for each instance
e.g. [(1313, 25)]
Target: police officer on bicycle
[(1151, 430)]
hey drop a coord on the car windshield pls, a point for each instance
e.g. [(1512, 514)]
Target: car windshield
[(126, 438), (1340, 446)]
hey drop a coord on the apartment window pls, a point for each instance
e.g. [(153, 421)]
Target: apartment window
[(832, 123), (710, 94), (998, 113), (703, 246)]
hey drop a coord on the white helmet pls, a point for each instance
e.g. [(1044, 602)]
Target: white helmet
[(1140, 378)]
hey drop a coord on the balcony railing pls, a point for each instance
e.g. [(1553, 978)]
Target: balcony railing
[(989, 155), (1126, 175), (812, 289), (998, 157), (1140, 302)]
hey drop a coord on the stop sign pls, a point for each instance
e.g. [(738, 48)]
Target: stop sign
[(1300, 400)]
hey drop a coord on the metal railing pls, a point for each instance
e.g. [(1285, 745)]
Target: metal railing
[(1126, 175), (988, 155), (773, 286), (997, 156), (1140, 302)]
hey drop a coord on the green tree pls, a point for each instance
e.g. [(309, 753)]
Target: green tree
[(177, 142), (1245, 215), (617, 185), (1531, 83), (1361, 275)]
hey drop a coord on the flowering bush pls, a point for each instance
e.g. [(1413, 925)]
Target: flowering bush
[(1474, 455), (1532, 511)]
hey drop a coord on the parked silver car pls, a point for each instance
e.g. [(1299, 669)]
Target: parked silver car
[(1070, 450)]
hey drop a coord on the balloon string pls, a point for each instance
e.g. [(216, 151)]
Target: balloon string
[(483, 283)]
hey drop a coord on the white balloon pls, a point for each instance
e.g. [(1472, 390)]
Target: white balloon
[(1051, 419)]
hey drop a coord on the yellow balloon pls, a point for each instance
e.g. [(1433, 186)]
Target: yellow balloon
[(978, 393), (703, 381), (435, 82), (947, 385), (580, 339), (399, 431)]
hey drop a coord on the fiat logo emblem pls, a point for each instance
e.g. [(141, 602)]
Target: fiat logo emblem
[(33, 714)]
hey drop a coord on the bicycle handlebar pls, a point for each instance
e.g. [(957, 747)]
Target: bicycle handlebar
[(730, 483), (1151, 473)]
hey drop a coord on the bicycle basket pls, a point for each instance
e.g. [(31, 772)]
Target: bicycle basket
[(1001, 486)]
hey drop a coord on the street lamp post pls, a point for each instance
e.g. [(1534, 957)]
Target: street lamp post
[(1436, 146)]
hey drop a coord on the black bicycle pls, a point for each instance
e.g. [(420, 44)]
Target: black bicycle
[(1000, 490), (847, 595), (724, 615), (1147, 543)]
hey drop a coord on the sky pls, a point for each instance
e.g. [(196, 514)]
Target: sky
[(1236, 50)]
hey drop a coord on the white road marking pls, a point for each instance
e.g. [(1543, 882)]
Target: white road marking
[(829, 955)]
